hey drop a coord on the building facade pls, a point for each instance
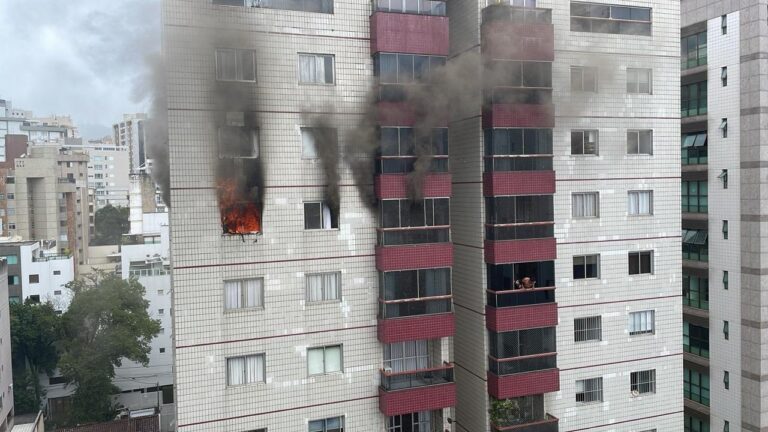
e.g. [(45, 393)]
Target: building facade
[(37, 271), (723, 214), (131, 133), (6, 372), (348, 279)]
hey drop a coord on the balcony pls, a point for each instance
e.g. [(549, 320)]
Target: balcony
[(399, 112), (395, 186), (548, 424), (409, 33), (523, 376), (509, 251), (520, 309), (518, 33), (411, 319), (418, 390), (518, 182), (519, 115)]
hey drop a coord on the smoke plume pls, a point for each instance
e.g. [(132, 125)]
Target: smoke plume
[(157, 126), (360, 152), (327, 147)]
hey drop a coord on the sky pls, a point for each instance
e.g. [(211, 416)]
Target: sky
[(83, 58)]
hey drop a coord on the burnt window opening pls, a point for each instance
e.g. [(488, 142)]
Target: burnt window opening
[(236, 138), (320, 216)]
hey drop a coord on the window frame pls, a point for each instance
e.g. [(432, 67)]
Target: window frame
[(239, 70), (591, 330), (639, 192), (260, 296), (322, 275), (584, 71), (341, 419), (643, 331), (637, 381), (574, 196), (639, 256), (597, 265), (584, 134), (245, 373), (597, 382), (325, 371), (639, 134), (323, 205), (315, 56), (636, 85)]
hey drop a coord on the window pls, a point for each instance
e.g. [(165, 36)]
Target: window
[(324, 360), (312, 137), (412, 7), (725, 279), (333, 424), (642, 322), (724, 24), (696, 339), (162, 350), (522, 343), (643, 382), (398, 150), (14, 280), (319, 6), (726, 330), (57, 272), (640, 203), (11, 226), (33, 278), (404, 69), (695, 196), (11, 196), (726, 426), (587, 329), (245, 370), (696, 245), (236, 140), (694, 99), (415, 292), (640, 263), (696, 424), (235, 65), (725, 230), (726, 380), (323, 287), (161, 311), (12, 259), (586, 267), (696, 291), (407, 356), (585, 205), (640, 142), (694, 50), (318, 215), (724, 76), (584, 79), (696, 386), (614, 19), (724, 127), (433, 212), (694, 150), (518, 149), (57, 292), (244, 294), (159, 292), (589, 390), (316, 69), (724, 178), (638, 81), (418, 421), (584, 142)]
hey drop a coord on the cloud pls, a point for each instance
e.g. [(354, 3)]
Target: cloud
[(80, 58)]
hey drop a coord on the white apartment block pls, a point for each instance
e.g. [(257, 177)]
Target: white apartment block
[(541, 272), (131, 134), (37, 271)]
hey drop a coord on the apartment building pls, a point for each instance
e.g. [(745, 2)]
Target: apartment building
[(131, 134), (6, 372), (47, 198), (722, 214), (37, 271), (321, 287)]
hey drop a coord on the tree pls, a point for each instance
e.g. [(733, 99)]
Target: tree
[(34, 334), (106, 322), (111, 223)]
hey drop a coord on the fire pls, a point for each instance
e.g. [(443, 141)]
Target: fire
[(239, 215)]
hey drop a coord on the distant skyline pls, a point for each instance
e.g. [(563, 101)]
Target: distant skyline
[(84, 58)]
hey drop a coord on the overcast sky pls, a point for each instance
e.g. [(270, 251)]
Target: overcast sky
[(84, 58)]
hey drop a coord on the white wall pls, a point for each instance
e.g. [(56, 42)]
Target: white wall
[(51, 287)]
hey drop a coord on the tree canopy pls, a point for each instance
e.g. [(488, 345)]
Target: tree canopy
[(110, 224)]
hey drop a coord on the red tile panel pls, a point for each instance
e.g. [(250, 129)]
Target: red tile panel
[(410, 257), (512, 251), (395, 186), (519, 115), (417, 399), (418, 327), (520, 317), (504, 40), (400, 114), (407, 33), (523, 384), (519, 183)]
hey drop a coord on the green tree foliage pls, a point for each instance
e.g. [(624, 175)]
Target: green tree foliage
[(505, 412), (106, 322), (111, 223), (34, 335)]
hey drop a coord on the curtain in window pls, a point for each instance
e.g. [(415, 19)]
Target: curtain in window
[(584, 205), (639, 203), (235, 371), (307, 68), (330, 286), (233, 297), (314, 288), (253, 293), (315, 69), (226, 64), (254, 369), (315, 362), (309, 148), (327, 221), (333, 359), (641, 322)]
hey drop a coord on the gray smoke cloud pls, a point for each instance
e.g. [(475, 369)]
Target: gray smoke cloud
[(152, 85), (360, 152), (327, 146)]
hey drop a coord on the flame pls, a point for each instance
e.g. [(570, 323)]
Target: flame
[(238, 214)]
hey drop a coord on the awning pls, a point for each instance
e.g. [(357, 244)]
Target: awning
[(696, 237), (695, 140), (701, 140), (688, 140)]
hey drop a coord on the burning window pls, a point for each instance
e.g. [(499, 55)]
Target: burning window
[(239, 180)]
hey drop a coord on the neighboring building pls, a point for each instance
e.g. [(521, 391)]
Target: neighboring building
[(144, 198), (36, 271), (48, 199), (108, 171), (6, 373), (131, 133), (293, 314), (723, 214)]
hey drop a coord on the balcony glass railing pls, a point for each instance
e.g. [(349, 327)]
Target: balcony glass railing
[(404, 164), (516, 365), (415, 7), (523, 231), (415, 235), (520, 297), (414, 307), (519, 95), (391, 381), (547, 424), (504, 10), (506, 163)]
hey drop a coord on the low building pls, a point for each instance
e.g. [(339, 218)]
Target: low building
[(38, 272)]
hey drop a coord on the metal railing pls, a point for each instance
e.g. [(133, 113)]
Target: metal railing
[(419, 7), (506, 163), (50, 258), (414, 235), (404, 164), (521, 231), (548, 424), (520, 297), (415, 306), (417, 378), (522, 364), (503, 10)]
